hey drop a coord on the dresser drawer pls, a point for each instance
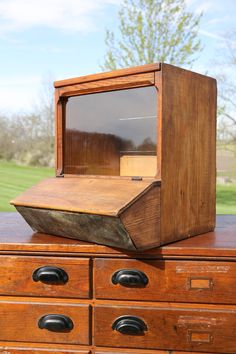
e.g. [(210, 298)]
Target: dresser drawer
[(45, 276), (136, 351), (24, 321), (166, 327), (9, 350), (141, 351), (170, 280)]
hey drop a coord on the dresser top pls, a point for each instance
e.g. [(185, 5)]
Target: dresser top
[(17, 237)]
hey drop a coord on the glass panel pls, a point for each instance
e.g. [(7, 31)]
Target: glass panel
[(112, 133)]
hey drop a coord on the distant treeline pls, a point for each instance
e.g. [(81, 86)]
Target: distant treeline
[(27, 139)]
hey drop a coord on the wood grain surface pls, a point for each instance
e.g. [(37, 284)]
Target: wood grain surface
[(19, 321), (17, 271), (17, 236), (139, 351), (142, 219), (188, 160), (169, 280), (186, 145), (83, 195), (170, 328), (12, 350), (139, 80), (107, 75)]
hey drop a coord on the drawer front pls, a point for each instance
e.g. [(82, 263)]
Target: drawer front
[(136, 351), (175, 281), (173, 328), (44, 276), (141, 351), (9, 350), (21, 322)]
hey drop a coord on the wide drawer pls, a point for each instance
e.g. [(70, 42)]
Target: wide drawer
[(166, 327), (136, 351), (43, 322), (10, 350), (169, 280), (44, 276), (141, 351)]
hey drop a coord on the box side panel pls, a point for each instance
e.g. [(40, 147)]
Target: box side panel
[(142, 219), (188, 154)]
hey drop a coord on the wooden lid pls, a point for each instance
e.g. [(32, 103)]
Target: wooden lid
[(110, 74), (102, 196)]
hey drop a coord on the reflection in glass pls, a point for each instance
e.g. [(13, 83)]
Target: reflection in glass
[(112, 133)]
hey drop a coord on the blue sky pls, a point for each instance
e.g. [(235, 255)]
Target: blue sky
[(65, 38)]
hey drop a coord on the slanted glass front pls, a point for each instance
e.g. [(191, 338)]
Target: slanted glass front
[(112, 133)]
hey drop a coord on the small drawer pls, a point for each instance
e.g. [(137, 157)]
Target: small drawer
[(41, 322), (45, 276), (11, 350), (135, 351), (165, 327), (141, 351), (170, 280)]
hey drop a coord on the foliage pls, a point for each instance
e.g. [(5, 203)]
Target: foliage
[(29, 138), (227, 92), (153, 31), (16, 179), (23, 139)]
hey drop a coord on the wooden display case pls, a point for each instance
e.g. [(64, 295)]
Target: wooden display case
[(135, 159)]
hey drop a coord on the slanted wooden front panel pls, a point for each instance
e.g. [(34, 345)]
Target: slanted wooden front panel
[(188, 163), (86, 227), (101, 196)]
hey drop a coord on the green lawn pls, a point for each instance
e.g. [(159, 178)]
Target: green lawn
[(15, 179), (226, 199)]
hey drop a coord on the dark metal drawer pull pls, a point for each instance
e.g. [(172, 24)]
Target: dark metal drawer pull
[(129, 325), (130, 278), (56, 323), (50, 275)]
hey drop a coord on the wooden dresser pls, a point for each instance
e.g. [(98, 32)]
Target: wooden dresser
[(59, 295)]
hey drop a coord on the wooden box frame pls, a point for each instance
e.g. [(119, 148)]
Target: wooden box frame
[(191, 210), (179, 201)]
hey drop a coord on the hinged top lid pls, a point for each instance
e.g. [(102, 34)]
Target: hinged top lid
[(102, 196)]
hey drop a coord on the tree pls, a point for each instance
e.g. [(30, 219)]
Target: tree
[(227, 92), (29, 138), (153, 31)]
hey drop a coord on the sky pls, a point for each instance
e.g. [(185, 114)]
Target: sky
[(58, 39)]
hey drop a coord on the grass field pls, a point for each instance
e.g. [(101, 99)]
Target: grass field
[(15, 179)]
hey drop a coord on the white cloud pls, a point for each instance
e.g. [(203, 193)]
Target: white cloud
[(70, 15)]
